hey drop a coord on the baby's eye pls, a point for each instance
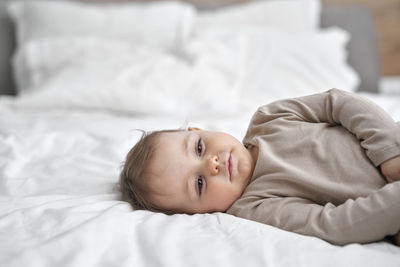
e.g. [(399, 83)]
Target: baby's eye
[(200, 184), (199, 147)]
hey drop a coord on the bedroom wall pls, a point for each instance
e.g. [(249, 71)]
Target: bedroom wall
[(386, 14)]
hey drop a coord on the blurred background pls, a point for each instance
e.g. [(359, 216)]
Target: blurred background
[(386, 17), (386, 22)]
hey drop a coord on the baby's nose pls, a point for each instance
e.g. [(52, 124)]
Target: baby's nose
[(213, 165)]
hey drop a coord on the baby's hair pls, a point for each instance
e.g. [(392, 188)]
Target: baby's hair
[(133, 181)]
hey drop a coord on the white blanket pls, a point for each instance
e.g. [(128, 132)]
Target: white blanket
[(60, 207)]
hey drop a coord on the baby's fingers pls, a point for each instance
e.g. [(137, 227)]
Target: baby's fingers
[(391, 169)]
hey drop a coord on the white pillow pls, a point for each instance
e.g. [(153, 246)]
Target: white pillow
[(281, 65), (256, 67), (207, 75), (132, 78), (288, 15), (164, 24)]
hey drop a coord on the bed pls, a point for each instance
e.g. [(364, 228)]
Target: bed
[(84, 76)]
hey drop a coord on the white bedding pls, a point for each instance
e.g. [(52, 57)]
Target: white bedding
[(62, 143), (60, 207)]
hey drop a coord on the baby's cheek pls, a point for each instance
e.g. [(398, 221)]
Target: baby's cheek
[(229, 197)]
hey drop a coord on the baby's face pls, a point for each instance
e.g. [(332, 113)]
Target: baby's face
[(199, 171)]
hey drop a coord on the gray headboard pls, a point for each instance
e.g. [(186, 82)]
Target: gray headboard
[(7, 45), (355, 19), (363, 55)]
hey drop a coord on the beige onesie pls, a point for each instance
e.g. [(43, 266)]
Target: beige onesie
[(317, 171)]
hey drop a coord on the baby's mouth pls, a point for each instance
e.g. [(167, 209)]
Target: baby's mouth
[(230, 167)]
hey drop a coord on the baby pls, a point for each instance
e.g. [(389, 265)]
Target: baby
[(325, 165)]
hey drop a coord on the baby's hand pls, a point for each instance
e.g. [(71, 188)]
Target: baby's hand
[(391, 169)]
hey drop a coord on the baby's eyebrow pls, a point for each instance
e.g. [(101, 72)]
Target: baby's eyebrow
[(186, 145), (188, 188)]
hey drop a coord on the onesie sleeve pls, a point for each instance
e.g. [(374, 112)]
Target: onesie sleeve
[(363, 220), (378, 133)]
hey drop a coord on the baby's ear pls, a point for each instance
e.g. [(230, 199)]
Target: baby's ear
[(193, 129)]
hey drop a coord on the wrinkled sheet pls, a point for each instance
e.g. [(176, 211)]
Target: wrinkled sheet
[(59, 204)]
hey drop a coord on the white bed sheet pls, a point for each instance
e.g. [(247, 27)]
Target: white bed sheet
[(59, 205)]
